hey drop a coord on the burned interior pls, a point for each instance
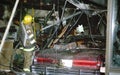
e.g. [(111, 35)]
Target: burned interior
[(56, 37)]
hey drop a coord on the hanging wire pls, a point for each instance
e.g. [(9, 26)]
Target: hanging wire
[(102, 19), (90, 30), (71, 22), (74, 24), (102, 22), (63, 11), (57, 26), (50, 39), (89, 25)]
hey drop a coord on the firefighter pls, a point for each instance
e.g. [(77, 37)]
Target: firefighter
[(28, 41)]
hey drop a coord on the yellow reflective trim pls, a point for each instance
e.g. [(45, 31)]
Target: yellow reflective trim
[(32, 41), (26, 69), (30, 49)]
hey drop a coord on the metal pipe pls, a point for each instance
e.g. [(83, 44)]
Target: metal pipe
[(62, 20), (9, 24), (111, 32)]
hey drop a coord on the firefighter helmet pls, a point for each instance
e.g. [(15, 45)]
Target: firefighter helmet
[(27, 19)]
